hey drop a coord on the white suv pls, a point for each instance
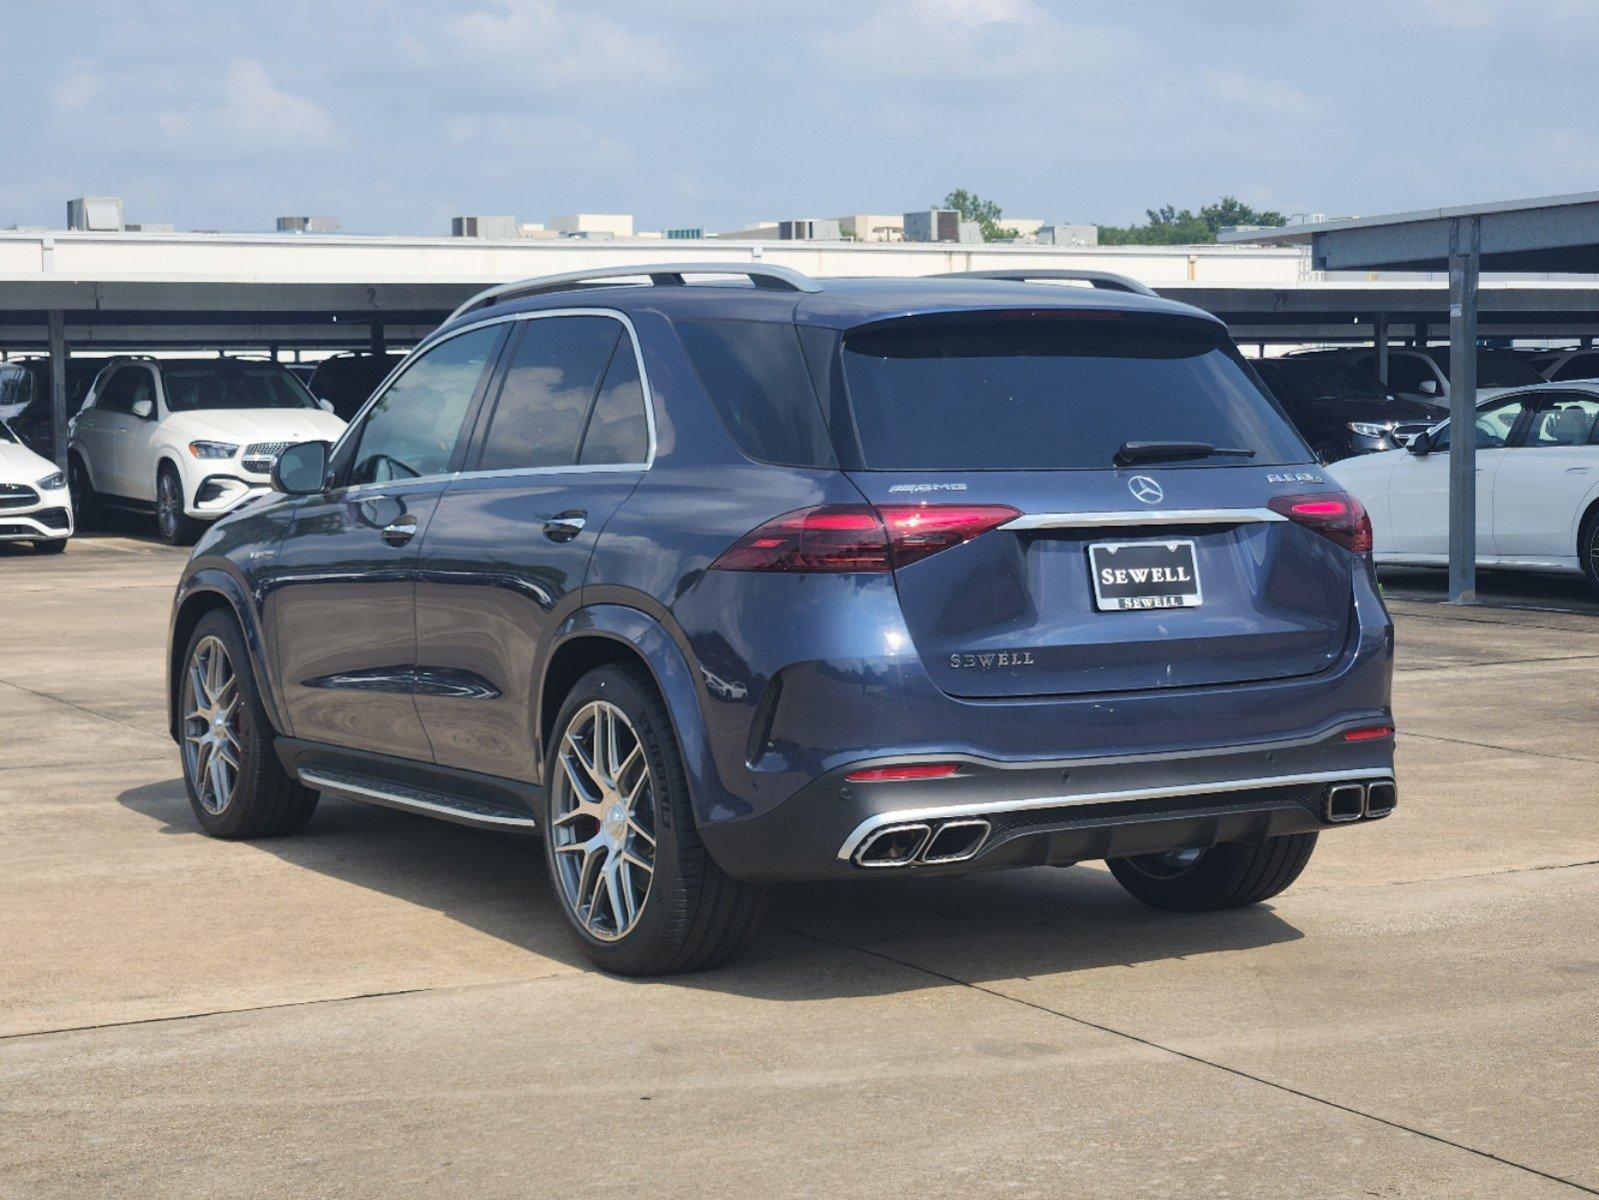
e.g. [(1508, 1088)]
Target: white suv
[(33, 497), (191, 438)]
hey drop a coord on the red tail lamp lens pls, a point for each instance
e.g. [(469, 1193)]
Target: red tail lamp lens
[(858, 537), (1369, 733), (1337, 516), (899, 774)]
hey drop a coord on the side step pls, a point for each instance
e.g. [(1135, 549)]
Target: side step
[(389, 794)]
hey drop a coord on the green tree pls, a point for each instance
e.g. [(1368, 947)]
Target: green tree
[(986, 213), (1172, 226)]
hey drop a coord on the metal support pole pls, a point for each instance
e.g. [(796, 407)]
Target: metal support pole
[(1381, 340), (1465, 243), (379, 345), (1422, 335), (56, 325)]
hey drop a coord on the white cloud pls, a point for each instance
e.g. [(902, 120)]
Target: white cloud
[(1265, 95), (78, 88), (245, 109), (540, 45)]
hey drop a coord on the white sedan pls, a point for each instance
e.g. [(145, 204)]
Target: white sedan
[(1537, 485), (34, 505)]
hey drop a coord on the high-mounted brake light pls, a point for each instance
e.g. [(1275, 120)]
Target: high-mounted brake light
[(860, 538), (1337, 516), (901, 773)]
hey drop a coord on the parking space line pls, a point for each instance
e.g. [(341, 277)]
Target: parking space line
[(80, 708), (1201, 1061), (1438, 737)]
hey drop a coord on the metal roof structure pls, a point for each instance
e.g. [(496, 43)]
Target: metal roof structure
[(1556, 234)]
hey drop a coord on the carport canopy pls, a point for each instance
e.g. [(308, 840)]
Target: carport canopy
[(1553, 234)]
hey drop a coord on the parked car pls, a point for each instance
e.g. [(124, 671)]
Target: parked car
[(25, 398), (1340, 409), (346, 380), (1537, 486), (191, 438), (719, 585), (1422, 376), (34, 506), (1569, 365)]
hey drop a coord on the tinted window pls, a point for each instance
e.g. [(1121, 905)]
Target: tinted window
[(1032, 394), (1578, 366), (617, 430), (1305, 382), (13, 391), (756, 378), (232, 385), (1407, 372), (1495, 368), (117, 394), (549, 388), (5, 433), (413, 428)]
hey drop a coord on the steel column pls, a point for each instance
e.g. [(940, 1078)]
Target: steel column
[(378, 343), (1465, 253), (56, 325), (1381, 340)]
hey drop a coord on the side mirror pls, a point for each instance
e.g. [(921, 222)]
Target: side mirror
[(1420, 445), (324, 404), (301, 470), (1429, 387), (144, 409)]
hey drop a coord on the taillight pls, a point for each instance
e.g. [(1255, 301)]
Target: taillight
[(1369, 733), (1337, 516), (860, 538)]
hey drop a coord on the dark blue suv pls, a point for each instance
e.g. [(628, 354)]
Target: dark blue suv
[(722, 581)]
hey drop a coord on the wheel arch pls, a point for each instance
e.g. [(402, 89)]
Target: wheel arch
[(205, 592), (615, 633)]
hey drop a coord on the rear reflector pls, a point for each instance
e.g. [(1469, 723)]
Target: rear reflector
[(860, 538), (1369, 733), (899, 774), (1337, 516)]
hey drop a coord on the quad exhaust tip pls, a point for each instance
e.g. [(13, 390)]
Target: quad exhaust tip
[(920, 844), (1346, 802)]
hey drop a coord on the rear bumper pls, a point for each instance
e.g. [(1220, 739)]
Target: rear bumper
[(1018, 814)]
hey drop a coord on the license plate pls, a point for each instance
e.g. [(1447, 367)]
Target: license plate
[(1130, 575)]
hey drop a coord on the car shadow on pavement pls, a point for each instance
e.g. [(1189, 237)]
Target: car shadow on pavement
[(823, 941)]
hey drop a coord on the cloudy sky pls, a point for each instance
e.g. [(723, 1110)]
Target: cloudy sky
[(393, 117)]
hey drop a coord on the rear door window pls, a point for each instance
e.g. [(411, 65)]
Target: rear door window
[(618, 431), (554, 374), (1053, 393)]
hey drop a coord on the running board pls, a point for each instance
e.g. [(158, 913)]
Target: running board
[(415, 800)]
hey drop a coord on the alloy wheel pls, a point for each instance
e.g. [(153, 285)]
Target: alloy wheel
[(602, 828), (168, 506), (212, 741)]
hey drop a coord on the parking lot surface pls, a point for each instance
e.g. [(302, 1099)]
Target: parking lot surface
[(389, 1006)]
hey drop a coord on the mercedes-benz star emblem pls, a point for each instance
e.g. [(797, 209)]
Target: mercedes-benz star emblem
[(1146, 489)]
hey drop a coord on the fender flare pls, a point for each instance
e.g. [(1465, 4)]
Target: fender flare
[(648, 638), (219, 581)]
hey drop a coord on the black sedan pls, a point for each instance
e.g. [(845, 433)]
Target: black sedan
[(1340, 409)]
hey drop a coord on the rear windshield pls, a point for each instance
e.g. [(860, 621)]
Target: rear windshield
[(233, 385), (1307, 382), (1025, 393)]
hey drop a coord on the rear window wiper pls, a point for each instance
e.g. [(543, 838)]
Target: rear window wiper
[(1138, 452)]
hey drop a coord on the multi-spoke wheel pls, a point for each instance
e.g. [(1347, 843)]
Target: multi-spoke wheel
[(1588, 548), (212, 745), (175, 526), (603, 822), (1226, 876), (236, 785), (634, 881)]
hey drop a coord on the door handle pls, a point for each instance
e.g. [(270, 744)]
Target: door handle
[(400, 531), (565, 526)]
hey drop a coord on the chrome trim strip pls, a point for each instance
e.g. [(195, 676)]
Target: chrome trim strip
[(1196, 788), (1144, 516), (409, 804)]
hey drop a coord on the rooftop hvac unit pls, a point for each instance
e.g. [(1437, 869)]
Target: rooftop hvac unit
[(96, 213), (307, 225), (498, 229)]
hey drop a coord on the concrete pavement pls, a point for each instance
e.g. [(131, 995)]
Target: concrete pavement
[(388, 1006)]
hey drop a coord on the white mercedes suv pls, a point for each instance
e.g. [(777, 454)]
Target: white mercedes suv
[(33, 497), (190, 438)]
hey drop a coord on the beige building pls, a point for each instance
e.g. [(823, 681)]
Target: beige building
[(616, 225), (873, 227)]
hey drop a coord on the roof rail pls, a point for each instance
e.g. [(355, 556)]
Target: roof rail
[(1100, 279), (781, 279)]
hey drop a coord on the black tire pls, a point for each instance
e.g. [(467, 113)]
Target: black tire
[(85, 504), (694, 916), (175, 527), (1588, 549), (266, 800), (1230, 875), (50, 545)]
